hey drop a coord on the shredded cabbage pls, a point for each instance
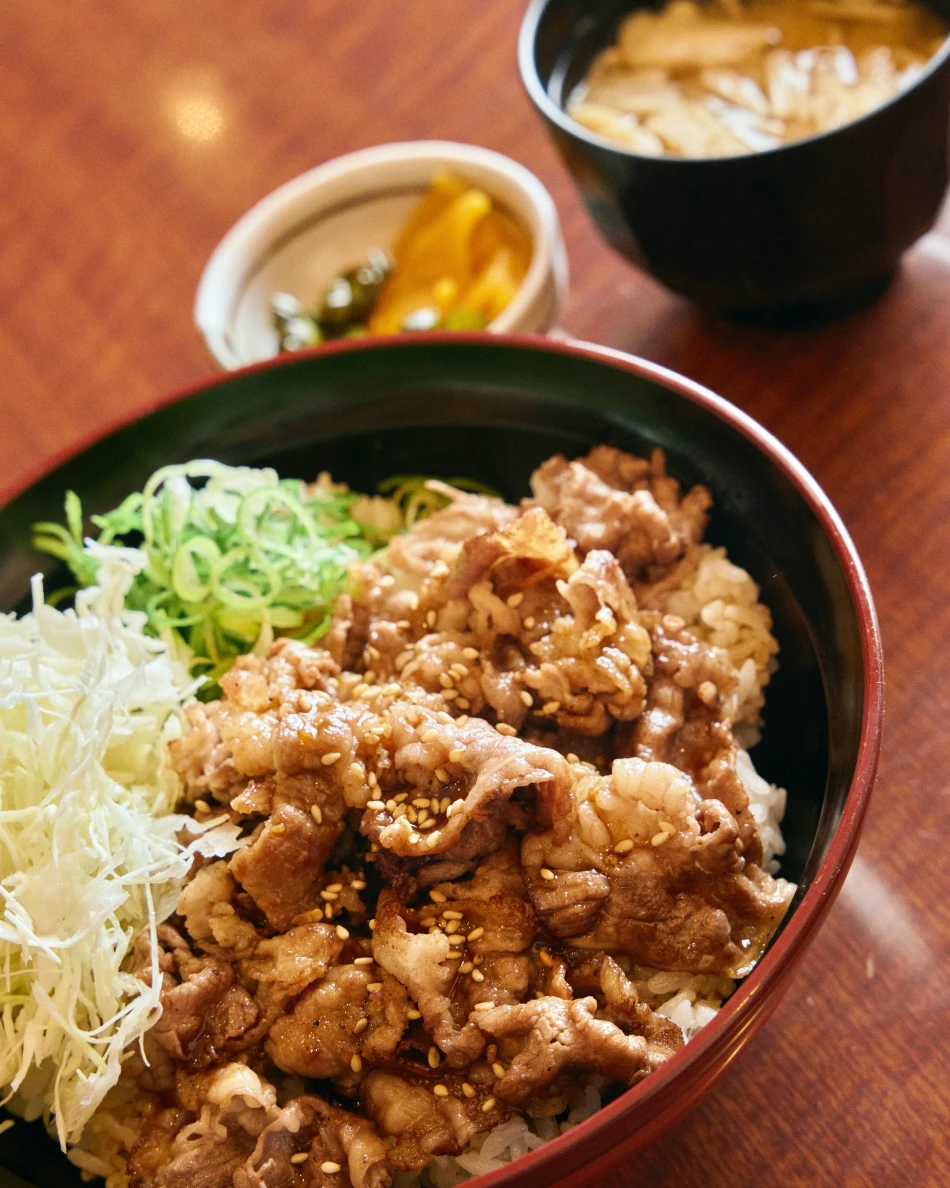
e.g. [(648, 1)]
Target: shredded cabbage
[(88, 848)]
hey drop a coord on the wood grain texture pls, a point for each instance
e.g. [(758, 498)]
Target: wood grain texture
[(108, 213)]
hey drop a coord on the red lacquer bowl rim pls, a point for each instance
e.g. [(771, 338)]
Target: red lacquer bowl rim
[(713, 1044)]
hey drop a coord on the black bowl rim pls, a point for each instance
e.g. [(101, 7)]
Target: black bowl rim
[(716, 1043), (537, 92)]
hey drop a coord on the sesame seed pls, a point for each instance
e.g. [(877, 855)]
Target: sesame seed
[(498, 1069), (466, 967), (476, 934), (329, 911), (427, 823), (516, 599), (430, 735), (437, 897), (550, 707), (529, 622), (658, 839), (445, 680), (442, 775), (202, 806), (546, 958), (451, 926), (450, 695), (300, 1157), (413, 1014), (334, 886), (444, 804), (342, 932), (440, 1091), (372, 925), (624, 847), (454, 954), (401, 798), (547, 874), (440, 569), (414, 839), (457, 938), (356, 769), (421, 802), (434, 838), (371, 739), (329, 1168), (317, 813), (360, 1026), (413, 815), (278, 829), (462, 720), (526, 697), (572, 758), (374, 986), (478, 959), (469, 653), (355, 1062), (451, 914), (457, 755), (372, 780), (430, 618), (362, 960), (477, 975), (468, 1090), (504, 728), (488, 1105), (375, 804), (485, 1006), (358, 885), (427, 921), (434, 1057), (329, 896), (330, 758)]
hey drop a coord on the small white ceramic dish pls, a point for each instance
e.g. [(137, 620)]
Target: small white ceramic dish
[(325, 221)]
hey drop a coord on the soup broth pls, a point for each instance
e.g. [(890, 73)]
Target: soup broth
[(732, 77)]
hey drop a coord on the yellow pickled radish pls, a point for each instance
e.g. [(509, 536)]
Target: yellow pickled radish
[(457, 256), (494, 288), (443, 188)]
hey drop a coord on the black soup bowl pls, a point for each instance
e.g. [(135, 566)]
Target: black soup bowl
[(492, 408), (815, 226)]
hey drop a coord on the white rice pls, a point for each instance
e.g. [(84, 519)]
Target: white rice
[(767, 806), (719, 601)]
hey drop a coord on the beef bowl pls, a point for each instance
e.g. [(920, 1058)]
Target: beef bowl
[(508, 413), (802, 230)]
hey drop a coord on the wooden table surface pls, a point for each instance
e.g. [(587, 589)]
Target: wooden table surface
[(133, 134)]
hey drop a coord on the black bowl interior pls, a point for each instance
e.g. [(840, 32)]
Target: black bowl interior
[(493, 411)]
